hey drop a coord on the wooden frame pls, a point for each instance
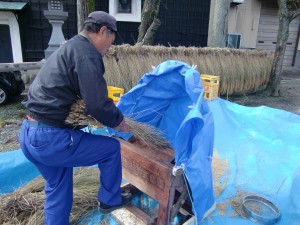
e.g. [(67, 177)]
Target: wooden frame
[(150, 171)]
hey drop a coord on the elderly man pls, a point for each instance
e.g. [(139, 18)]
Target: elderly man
[(73, 71)]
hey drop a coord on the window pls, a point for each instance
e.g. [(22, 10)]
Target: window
[(125, 10), (233, 40)]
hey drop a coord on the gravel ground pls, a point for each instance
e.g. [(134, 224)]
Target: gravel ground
[(11, 115)]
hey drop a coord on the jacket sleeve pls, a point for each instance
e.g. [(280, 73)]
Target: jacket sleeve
[(93, 90)]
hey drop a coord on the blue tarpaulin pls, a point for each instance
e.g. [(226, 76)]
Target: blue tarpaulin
[(171, 98), (15, 171), (261, 144)]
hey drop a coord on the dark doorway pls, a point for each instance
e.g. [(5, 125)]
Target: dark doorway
[(5, 45)]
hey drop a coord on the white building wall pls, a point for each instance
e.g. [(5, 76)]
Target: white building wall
[(244, 19), (8, 18)]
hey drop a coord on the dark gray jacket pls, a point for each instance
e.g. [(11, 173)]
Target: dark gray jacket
[(74, 70)]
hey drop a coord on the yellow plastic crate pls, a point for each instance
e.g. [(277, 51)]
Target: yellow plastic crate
[(115, 93), (210, 84)]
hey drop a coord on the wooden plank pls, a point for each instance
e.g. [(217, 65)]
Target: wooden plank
[(148, 170), (10, 67), (273, 34), (163, 216), (165, 213), (271, 38), (178, 204), (160, 154), (268, 27), (269, 20), (140, 214), (270, 12), (267, 46), (267, 35), (125, 216)]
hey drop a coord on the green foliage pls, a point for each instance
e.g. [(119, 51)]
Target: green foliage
[(91, 5)]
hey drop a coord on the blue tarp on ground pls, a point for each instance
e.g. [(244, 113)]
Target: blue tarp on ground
[(15, 171), (261, 144)]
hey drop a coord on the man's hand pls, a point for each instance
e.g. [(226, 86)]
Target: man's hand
[(123, 126)]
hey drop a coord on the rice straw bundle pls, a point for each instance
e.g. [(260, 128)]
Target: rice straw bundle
[(147, 134), (241, 70), (25, 205), (142, 132)]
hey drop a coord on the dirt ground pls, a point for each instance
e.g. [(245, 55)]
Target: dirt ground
[(11, 115), (290, 89)]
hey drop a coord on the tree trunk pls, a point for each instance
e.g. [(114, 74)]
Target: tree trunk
[(149, 23), (275, 76), (149, 36), (282, 37), (219, 28), (84, 7)]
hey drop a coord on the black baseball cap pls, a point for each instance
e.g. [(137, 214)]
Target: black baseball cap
[(102, 18)]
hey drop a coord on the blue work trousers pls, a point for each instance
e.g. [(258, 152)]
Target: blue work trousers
[(55, 151)]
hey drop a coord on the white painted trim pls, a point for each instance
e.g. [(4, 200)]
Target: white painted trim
[(134, 16), (8, 18)]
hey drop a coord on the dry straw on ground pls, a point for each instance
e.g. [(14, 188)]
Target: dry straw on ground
[(142, 132), (236, 202), (220, 171), (25, 205), (241, 71), (220, 168)]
